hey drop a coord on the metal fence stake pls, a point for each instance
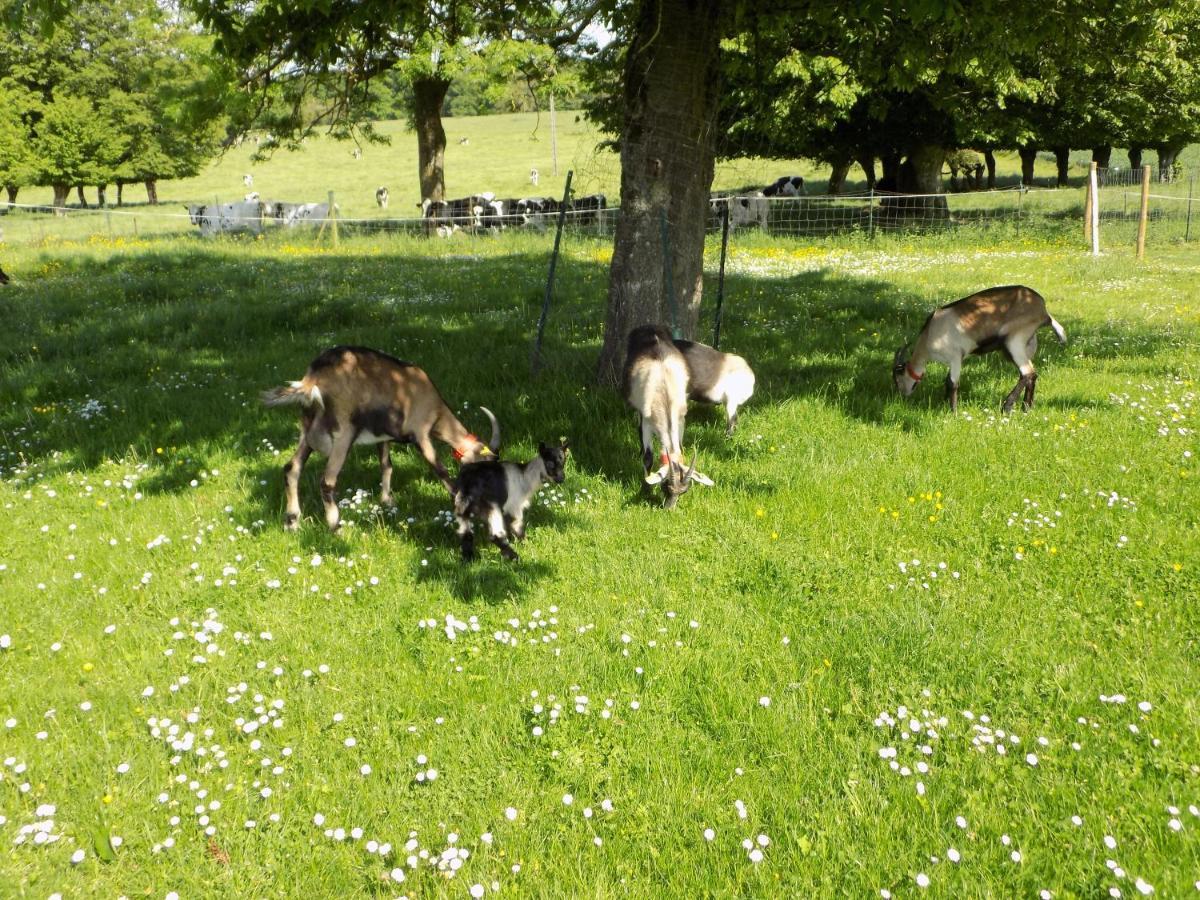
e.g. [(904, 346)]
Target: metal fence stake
[(536, 362), (721, 275)]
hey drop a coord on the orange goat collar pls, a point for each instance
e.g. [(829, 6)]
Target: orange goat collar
[(911, 374)]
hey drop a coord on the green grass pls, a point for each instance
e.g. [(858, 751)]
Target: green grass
[(141, 488)]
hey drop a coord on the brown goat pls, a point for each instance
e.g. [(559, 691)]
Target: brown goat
[(999, 318), (355, 395)]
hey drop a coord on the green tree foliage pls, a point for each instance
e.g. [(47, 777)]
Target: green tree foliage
[(314, 65), (119, 91)]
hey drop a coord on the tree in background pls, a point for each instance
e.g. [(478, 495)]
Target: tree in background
[(115, 91), (309, 67)]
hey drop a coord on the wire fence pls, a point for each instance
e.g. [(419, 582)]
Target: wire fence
[(1010, 212)]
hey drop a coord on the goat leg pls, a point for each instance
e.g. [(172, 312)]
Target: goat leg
[(1007, 406), (342, 441), (467, 533), (952, 393), (385, 474), (291, 483), (425, 445), (500, 535), (1030, 386)]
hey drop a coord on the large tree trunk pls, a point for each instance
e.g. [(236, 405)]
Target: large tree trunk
[(891, 172), (989, 160), (152, 191), (120, 193), (1168, 158), (1135, 157), (867, 163), (61, 192), (671, 89), (837, 176), (102, 195), (429, 93), (12, 190), (1062, 162), (1102, 155), (1028, 154), (920, 174)]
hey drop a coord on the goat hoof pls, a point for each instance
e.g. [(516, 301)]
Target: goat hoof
[(291, 522), (510, 555)]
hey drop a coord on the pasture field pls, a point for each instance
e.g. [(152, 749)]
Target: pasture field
[(890, 648)]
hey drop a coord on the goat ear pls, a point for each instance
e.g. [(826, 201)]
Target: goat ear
[(701, 478), (654, 478)]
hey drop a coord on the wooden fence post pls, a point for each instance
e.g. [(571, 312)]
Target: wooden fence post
[(1141, 237)]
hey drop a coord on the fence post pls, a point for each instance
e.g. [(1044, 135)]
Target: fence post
[(1141, 235), (1094, 187), (1087, 206), (871, 213), (536, 363), (721, 275), (1187, 230), (333, 229)]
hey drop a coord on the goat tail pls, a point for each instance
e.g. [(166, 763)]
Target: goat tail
[(1059, 332), (296, 392)]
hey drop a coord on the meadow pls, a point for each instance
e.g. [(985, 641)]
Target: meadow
[(892, 652)]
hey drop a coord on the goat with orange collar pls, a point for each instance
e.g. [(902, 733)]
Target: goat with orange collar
[(1000, 318)]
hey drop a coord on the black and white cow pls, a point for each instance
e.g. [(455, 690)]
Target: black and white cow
[(589, 208), (227, 217), (787, 186)]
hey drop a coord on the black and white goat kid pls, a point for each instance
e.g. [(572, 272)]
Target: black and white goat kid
[(500, 492)]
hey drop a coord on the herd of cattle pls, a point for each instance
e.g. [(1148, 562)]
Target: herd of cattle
[(482, 212)]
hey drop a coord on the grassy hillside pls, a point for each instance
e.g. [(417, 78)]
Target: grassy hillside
[(497, 157)]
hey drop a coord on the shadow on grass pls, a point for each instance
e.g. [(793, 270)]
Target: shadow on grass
[(158, 358)]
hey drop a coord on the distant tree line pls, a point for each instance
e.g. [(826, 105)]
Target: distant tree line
[(120, 92)]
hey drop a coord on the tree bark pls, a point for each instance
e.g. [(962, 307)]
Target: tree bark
[(152, 191), (82, 199), (1102, 155), (101, 195), (867, 163), (1168, 157), (837, 176), (1028, 154), (1135, 157), (1062, 161), (61, 192), (989, 159), (429, 93), (12, 190), (120, 193), (671, 93), (891, 172), (920, 174)]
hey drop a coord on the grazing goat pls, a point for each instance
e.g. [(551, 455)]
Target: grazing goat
[(500, 492), (248, 180), (533, 176), (656, 386), (381, 197), (355, 395), (716, 377), (4, 279), (999, 318)]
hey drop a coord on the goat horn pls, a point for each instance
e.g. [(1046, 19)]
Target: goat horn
[(494, 443)]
